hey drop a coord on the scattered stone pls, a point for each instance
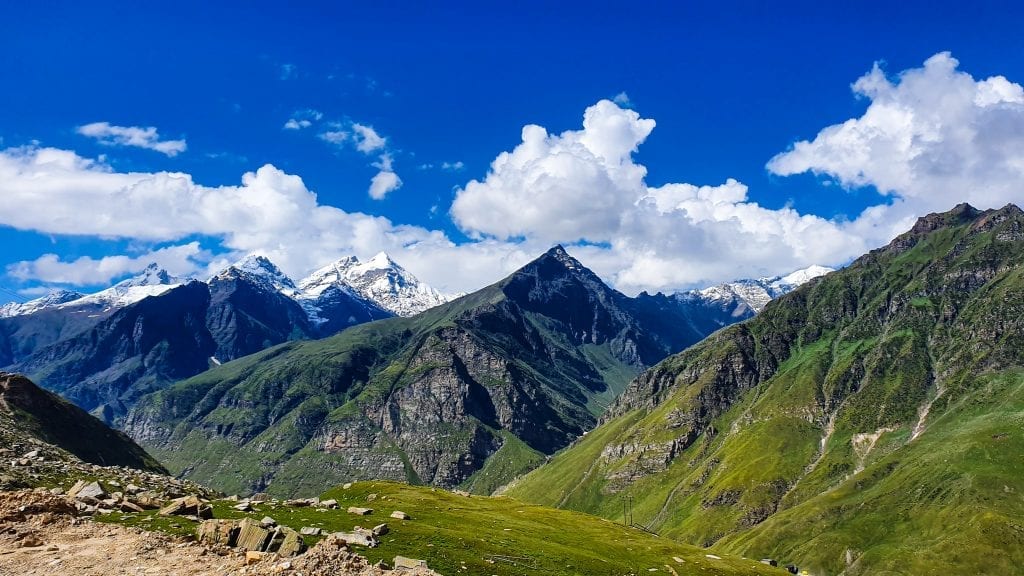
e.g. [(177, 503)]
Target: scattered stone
[(399, 515), (252, 536), (88, 490), (268, 522), (380, 530), (360, 511), (332, 503), (219, 532), (259, 497), (184, 506), (792, 568), (712, 556), (31, 454), (347, 485), (31, 541), (403, 562), (310, 531), (358, 537), (253, 557), (769, 561), (243, 507), (371, 497)]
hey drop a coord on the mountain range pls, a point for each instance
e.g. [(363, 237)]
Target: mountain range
[(471, 392), (105, 350), (866, 423)]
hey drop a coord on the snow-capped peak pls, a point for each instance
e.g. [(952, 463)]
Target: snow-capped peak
[(755, 294), (802, 276), (260, 270), (380, 280), (55, 298), (152, 281), (153, 275)]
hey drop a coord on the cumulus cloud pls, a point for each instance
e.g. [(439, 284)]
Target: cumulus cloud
[(50, 268), (366, 138), (931, 137), (58, 192), (384, 181), (583, 186), (148, 138)]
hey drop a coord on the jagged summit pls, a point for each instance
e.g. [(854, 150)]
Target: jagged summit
[(258, 269), (380, 280)]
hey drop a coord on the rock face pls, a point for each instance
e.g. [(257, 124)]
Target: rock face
[(517, 370), (880, 388)]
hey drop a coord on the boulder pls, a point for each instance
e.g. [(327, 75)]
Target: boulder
[(184, 506), (259, 497), (332, 503), (243, 507), (268, 522), (360, 511), (398, 514), (218, 532), (287, 542), (82, 490), (252, 536), (380, 530), (358, 538), (310, 531), (253, 557)]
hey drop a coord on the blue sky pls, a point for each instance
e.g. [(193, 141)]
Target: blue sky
[(433, 95)]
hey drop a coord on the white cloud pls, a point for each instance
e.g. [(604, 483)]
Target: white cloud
[(178, 260), (293, 124), (585, 185), (57, 192), (135, 136), (336, 137), (456, 166), (384, 181), (287, 71), (303, 119), (622, 99), (931, 137), (366, 139)]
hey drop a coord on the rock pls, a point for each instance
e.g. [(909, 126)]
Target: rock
[(90, 490), (243, 507), (252, 557), (371, 497), (259, 497), (358, 538), (184, 506), (380, 529), (398, 514), (205, 512), (332, 503), (31, 541), (31, 454), (792, 568), (287, 542), (769, 561), (403, 562), (132, 489), (310, 531), (360, 511), (252, 536), (347, 485), (268, 522), (218, 532), (127, 506)]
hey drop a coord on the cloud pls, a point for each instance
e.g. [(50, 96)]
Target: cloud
[(366, 139), (622, 99), (58, 192), (85, 271), (584, 186), (384, 181), (456, 166), (148, 138), (303, 119), (931, 137), (287, 71)]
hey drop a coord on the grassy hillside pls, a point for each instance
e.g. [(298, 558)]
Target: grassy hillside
[(484, 535), (863, 418)]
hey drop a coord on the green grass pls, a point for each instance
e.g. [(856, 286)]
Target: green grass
[(484, 535)]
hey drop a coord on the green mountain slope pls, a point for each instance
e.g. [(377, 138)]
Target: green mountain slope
[(870, 416), (473, 392), (29, 414), (458, 534)]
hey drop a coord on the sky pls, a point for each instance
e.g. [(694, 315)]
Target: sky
[(666, 145)]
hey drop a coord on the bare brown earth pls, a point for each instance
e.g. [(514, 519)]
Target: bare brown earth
[(40, 535)]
